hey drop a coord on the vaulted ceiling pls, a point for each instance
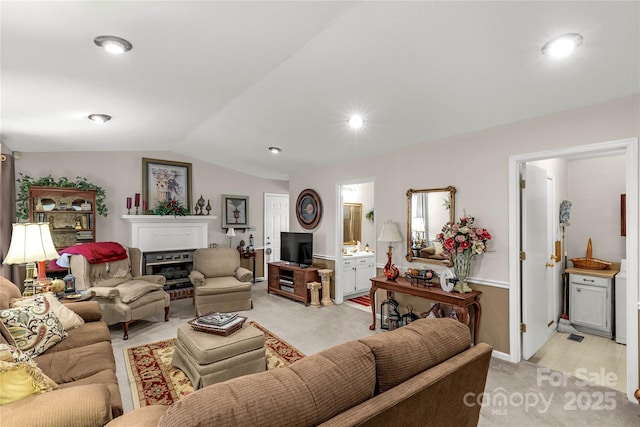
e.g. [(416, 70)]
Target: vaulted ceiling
[(223, 81)]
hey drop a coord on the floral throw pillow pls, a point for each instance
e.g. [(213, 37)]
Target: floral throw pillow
[(34, 327)]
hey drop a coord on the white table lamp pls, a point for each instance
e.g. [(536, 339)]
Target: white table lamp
[(30, 243), (390, 233), (230, 234)]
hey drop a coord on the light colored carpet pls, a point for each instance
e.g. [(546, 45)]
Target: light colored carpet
[(314, 329)]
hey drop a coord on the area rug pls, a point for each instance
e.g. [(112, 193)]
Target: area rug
[(361, 303), (154, 381)]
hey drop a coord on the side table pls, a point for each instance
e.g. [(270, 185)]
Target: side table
[(249, 255), (404, 286)]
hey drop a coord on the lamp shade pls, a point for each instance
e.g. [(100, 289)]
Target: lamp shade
[(30, 242), (390, 232), (231, 232), (417, 224)]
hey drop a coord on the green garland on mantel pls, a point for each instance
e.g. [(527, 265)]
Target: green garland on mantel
[(80, 183)]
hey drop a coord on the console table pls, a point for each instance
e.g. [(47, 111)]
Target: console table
[(434, 293)]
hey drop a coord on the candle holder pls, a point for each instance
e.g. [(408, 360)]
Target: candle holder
[(128, 205)]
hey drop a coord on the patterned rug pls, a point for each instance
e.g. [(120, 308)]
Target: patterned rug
[(154, 381), (361, 303)]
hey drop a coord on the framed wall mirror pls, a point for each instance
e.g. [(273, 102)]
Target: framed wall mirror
[(352, 223), (427, 211)]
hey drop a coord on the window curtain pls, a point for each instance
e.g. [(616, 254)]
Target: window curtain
[(421, 210), (7, 214)]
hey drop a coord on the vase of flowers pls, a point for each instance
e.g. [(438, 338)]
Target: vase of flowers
[(171, 207), (463, 240)]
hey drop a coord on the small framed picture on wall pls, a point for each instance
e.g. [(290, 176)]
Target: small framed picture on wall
[(235, 211)]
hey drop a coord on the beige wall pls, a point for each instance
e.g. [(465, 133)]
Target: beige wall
[(477, 165), (120, 174)]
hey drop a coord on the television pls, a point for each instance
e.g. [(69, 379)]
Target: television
[(296, 248)]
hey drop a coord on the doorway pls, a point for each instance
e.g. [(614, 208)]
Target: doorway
[(362, 192), (628, 148), (276, 219)]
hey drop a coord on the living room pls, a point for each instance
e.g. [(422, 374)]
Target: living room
[(474, 157)]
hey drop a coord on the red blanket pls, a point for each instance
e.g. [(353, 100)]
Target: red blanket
[(98, 252)]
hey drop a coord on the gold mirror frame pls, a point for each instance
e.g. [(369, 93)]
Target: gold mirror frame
[(352, 223), (413, 252)]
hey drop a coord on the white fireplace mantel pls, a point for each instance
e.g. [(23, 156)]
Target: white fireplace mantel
[(158, 233)]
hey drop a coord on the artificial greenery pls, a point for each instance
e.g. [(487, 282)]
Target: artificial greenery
[(171, 207), (80, 183), (369, 215)]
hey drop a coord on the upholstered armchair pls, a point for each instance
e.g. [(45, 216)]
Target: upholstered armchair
[(123, 293), (219, 283)]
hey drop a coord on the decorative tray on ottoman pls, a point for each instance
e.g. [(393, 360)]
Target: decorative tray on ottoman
[(224, 330)]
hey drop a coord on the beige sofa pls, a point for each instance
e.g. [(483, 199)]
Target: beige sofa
[(121, 290), (219, 283), (82, 365), (423, 374)]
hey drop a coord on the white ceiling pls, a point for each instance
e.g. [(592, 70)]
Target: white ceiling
[(222, 81)]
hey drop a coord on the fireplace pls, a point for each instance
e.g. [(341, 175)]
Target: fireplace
[(167, 244)]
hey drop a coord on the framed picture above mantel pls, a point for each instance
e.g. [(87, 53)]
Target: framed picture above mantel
[(235, 211), (164, 180)]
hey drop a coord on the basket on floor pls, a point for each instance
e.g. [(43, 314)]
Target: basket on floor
[(588, 262)]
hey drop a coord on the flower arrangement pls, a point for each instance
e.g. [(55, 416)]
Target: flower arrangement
[(464, 237), (171, 207)]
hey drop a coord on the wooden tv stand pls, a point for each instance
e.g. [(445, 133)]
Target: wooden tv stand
[(291, 281)]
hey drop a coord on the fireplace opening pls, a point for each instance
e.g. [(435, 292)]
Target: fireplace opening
[(175, 266)]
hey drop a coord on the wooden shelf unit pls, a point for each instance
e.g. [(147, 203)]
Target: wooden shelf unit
[(62, 208), (291, 281)]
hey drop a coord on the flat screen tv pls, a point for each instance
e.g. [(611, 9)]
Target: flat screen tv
[(296, 248)]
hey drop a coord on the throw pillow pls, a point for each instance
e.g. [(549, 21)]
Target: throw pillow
[(34, 327), (19, 380), (67, 317), (10, 353), (134, 289)]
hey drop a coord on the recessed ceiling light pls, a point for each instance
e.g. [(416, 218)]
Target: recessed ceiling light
[(275, 150), (562, 46), (113, 44), (355, 121), (99, 118)]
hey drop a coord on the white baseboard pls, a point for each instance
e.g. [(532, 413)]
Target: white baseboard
[(500, 355)]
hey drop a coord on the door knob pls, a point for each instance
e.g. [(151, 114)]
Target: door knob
[(549, 264)]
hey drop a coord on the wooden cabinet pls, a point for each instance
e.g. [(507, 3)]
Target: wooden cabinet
[(590, 304), (356, 273), (291, 281), (70, 212)]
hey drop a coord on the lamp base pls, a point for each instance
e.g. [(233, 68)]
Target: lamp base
[(391, 272)]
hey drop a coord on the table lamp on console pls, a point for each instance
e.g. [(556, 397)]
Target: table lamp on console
[(31, 243), (390, 233)]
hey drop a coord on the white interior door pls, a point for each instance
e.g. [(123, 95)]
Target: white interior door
[(276, 219), (537, 268)]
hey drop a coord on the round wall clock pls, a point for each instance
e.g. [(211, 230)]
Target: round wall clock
[(308, 209)]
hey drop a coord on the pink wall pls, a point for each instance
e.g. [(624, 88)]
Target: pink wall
[(120, 174), (475, 163)]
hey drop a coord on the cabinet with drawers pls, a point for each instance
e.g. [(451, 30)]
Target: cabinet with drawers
[(590, 304)]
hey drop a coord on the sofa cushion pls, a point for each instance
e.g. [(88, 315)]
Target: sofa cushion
[(134, 289), (19, 380), (218, 262), (34, 327), (338, 378), (108, 378), (67, 317), (222, 285), (414, 348), (89, 333), (77, 363)]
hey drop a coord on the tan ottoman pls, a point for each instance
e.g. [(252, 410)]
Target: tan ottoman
[(209, 359)]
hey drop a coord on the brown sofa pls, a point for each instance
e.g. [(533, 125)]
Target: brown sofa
[(82, 365), (423, 374)]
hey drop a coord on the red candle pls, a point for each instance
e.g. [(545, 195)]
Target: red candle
[(128, 202), (137, 199), (144, 206)]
